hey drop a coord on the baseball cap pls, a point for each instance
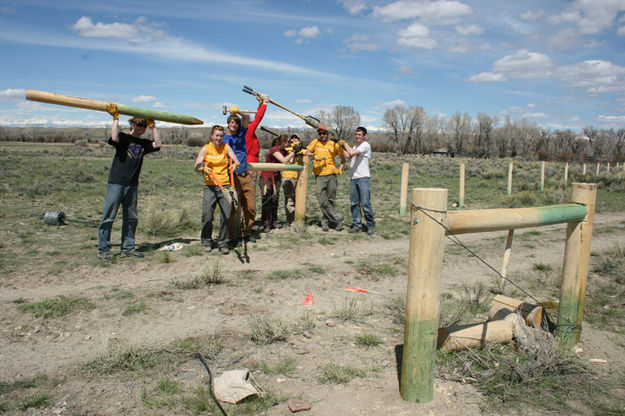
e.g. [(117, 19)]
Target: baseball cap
[(322, 128)]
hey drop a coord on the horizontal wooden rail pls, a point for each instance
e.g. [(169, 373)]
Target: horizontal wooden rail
[(273, 167), (481, 220)]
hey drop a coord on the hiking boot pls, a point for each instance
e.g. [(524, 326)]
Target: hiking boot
[(324, 227), (339, 225), (132, 253), (208, 249), (224, 250), (371, 231), (354, 230), (108, 256)]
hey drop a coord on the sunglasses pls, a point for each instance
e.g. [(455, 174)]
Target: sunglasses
[(323, 133), (141, 124)]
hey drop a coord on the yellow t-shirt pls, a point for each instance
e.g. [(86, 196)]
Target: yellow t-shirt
[(324, 154), (216, 158), (292, 174)]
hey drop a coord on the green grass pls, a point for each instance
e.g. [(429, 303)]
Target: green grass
[(368, 340), (338, 374), (35, 401), (135, 308), (285, 367), (350, 310), (57, 307), (267, 330), (285, 274)]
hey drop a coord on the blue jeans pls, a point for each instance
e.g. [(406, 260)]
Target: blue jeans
[(127, 197), (360, 195)]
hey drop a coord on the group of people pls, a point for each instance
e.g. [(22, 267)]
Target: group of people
[(228, 182)]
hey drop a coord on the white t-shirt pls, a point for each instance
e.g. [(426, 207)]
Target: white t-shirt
[(359, 165)]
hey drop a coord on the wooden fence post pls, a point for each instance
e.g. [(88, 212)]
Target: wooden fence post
[(461, 190), (608, 167), (598, 165), (427, 239), (566, 174), (584, 169), (542, 176), (506, 255), (300, 197), (575, 267), (403, 199), (510, 169)]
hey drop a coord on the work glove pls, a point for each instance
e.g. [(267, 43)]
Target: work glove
[(149, 122), (340, 172), (298, 148), (262, 98), (206, 170), (342, 143), (111, 108), (234, 166), (234, 110)]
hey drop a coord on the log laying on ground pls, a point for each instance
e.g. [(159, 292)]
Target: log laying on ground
[(532, 314), (461, 337)]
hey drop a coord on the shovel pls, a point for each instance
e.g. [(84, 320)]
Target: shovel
[(310, 120)]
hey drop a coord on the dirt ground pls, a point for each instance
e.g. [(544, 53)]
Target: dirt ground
[(59, 347)]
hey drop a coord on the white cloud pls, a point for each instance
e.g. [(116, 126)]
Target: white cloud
[(12, 93), (524, 64), (596, 76), (570, 38), (139, 31), (533, 14), (464, 45), (470, 30), (612, 119), (361, 43), (416, 36), (143, 99), (309, 32), (159, 104), (534, 115), (290, 33), (591, 16), (7, 10), (621, 31), (353, 6), (440, 12), (487, 77), (303, 101), (392, 103)]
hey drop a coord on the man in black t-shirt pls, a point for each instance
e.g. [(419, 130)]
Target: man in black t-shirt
[(123, 182)]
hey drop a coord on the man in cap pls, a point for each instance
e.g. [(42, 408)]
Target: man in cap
[(123, 182), (324, 152)]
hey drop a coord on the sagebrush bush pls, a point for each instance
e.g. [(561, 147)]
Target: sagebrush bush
[(160, 222)]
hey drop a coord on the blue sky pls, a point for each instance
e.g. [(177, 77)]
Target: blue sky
[(560, 64)]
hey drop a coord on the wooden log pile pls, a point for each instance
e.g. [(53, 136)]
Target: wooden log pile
[(506, 318)]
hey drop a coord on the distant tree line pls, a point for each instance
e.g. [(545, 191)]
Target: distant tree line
[(406, 130)]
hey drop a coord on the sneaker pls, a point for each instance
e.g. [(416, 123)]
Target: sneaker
[(354, 230), (208, 249), (324, 227), (224, 250), (267, 228), (108, 256), (276, 225), (371, 231), (132, 253)]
